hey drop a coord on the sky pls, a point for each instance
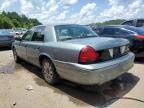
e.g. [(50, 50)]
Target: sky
[(75, 11)]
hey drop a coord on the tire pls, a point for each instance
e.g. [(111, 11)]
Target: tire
[(16, 58), (49, 72)]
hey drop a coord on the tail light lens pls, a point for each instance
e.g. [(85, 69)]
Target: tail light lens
[(140, 37), (88, 55)]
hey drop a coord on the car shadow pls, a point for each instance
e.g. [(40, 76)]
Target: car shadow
[(101, 97), (139, 60), (5, 48)]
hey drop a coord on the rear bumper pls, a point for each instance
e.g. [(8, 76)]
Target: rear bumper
[(95, 73)]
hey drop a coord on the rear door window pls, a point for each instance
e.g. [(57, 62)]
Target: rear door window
[(108, 31), (130, 23), (39, 34), (140, 23), (4, 32)]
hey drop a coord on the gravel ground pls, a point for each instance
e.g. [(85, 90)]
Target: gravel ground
[(22, 86)]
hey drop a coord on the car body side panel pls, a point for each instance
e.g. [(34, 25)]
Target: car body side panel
[(50, 35), (21, 49), (62, 51), (33, 52)]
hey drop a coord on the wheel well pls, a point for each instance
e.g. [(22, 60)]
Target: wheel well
[(43, 57)]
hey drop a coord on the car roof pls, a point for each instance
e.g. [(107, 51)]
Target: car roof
[(131, 28), (135, 19), (114, 26), (118, 26)]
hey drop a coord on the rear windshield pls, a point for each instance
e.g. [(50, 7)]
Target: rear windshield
[(140, 31), (4, 32), (66, 32)]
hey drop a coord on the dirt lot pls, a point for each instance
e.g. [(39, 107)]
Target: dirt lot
[(22, 86)]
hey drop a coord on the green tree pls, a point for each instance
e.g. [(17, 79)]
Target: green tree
[(7, 24), (16, 23), (111, 22), (14, 20)]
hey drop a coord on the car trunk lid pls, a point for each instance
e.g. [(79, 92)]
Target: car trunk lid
[(100, 43), (107, 48)]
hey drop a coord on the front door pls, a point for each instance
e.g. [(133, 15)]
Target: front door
[(23, 44)]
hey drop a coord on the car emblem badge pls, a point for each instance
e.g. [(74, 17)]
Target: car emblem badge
[(122, 49), (111, 52)]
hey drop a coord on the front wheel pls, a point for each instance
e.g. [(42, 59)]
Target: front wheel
[(49, 72)]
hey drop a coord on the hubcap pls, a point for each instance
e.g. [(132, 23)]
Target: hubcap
[(48, 71)]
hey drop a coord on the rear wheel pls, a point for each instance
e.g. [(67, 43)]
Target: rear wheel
[(16, 58), (49, 72)]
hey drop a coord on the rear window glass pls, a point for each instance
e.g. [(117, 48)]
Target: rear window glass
[(128, 23), (109, 31), (4, 32), (65, 32)]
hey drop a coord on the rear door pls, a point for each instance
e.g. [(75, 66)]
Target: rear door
[(34, 46)]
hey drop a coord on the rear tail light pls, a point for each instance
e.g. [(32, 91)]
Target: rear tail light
[(88, 55), (139, 37)]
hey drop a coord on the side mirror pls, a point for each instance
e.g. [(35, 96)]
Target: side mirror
[(18, 39)]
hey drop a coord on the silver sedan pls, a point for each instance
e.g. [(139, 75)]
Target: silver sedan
[(75, 53)]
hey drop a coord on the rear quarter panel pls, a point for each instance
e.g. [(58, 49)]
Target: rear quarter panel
[(59, 51)]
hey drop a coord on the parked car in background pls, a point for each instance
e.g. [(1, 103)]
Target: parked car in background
[(75, 53), (18, 32), (6, 38), (135, 22), (133, 34)]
